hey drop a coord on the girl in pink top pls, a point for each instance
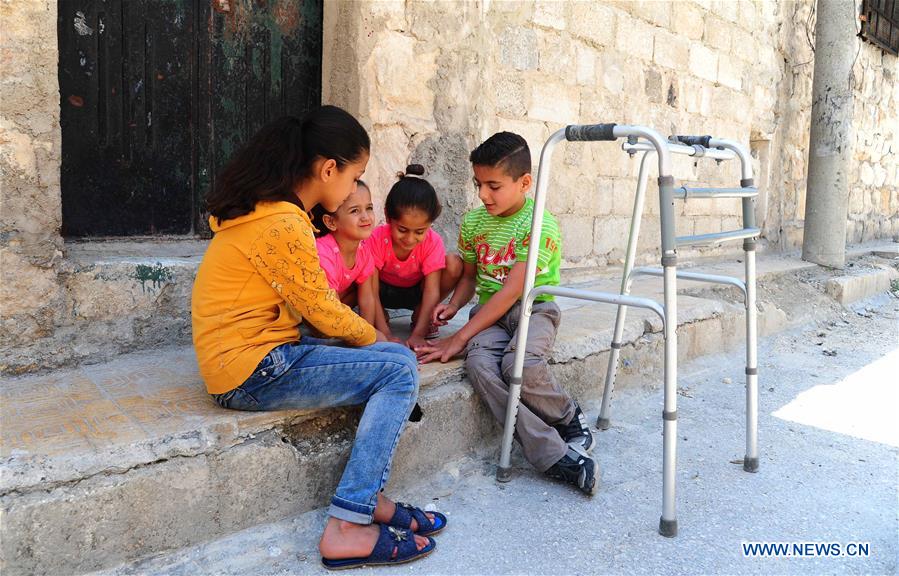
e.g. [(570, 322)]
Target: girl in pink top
[(413, 270), (343, 253)]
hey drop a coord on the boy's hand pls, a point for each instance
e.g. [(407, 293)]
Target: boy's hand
[(442, 350), (443, 313), (380, 337)]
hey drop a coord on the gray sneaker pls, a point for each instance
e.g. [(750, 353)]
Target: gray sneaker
[(577, 468), (577, 431)]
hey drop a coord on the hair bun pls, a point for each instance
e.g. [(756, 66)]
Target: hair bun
[(415, 170)]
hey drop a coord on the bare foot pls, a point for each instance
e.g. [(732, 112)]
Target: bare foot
[(342, 539), (386, 507)]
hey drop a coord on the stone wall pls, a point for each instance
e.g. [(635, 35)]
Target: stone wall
[(874, 178), (431, 80), (31, 297)]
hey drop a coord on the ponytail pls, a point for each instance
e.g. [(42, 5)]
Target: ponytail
[(280, 155)]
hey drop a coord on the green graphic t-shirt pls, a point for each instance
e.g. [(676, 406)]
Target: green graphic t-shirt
[(496, 243)]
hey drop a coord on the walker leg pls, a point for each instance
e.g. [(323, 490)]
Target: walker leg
[(751, 459), (668, 521), (504, 470), (603, 422)]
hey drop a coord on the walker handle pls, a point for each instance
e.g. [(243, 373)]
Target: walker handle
[(692, 140), (589, 132)]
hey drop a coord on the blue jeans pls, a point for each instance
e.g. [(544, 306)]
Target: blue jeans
[(313, 374)]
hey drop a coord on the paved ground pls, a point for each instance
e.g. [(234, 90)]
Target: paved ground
[(828, 473)]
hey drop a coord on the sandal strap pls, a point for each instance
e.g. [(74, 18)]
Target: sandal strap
[(392, 538), (401, 517), (424, 523)]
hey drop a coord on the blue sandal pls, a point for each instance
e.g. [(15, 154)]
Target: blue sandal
[(405, 513), (389, 541)]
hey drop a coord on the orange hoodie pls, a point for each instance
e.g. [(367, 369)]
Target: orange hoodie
[(259, 279)]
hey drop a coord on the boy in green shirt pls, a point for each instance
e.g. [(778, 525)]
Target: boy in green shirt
[(493, 241)]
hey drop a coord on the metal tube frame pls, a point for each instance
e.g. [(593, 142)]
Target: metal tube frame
[(751, 459), (668, 521), (747, 287), (717, 149)]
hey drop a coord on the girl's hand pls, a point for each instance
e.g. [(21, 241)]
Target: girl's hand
[(380, 337), (394, 339), (442, 350), (415, 342), (443, 313)]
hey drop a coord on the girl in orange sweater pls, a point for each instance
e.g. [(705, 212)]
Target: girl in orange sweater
[(260, 280)]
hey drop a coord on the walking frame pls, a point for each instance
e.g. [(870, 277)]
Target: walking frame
[(650, 142)]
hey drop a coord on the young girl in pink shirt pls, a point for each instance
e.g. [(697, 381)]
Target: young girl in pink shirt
[(343, 253), (413, 270)]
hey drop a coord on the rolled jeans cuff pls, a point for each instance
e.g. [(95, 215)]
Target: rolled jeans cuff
[(351, 511)]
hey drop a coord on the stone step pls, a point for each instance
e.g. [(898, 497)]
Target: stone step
[(125, 296), (851, 288), (818, 413), (119, 297), (106, 463)]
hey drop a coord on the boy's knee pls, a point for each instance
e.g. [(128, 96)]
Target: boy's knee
[(534, 365), (478, 360)]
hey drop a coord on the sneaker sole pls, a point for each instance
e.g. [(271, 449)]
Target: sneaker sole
[(582, 484)]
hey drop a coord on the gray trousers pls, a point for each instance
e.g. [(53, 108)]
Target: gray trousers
[(488, 361)]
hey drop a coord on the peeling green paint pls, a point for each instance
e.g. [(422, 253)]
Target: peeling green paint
[(157, 275)]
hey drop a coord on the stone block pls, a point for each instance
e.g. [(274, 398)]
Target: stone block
[(601, 199), (610, 236), (670, 50), (730, 71), (613, 72), (653, 11), (554, 103), (577, 235), (649, 240), (557, 56), (687, 20), (550, 13), (716, 32), (746, 47), (391, 12), (402, 95), (748, 15), (653, 85), (728, 9), (595, 23), (704, 62), (518, 48), (635, 39), (586, 66), (849, 289), (511, 99)]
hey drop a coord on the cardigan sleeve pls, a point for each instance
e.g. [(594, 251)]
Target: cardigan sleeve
[(285, 255)]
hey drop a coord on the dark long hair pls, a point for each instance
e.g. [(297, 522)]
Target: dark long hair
[(280, 155), (412, 192)]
